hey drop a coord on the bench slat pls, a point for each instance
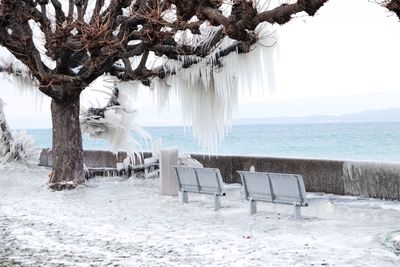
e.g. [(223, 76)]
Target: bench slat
[(274, 187), (208, 180), (257, 187), (187, 180), (199, 180), (285, 188)]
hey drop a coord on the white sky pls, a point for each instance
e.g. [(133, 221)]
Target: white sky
[(343, 60)]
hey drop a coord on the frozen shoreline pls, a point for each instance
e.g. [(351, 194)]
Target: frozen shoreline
[(126, 222)]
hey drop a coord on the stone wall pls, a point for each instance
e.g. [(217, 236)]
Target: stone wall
[(368, 179), (93, 158), (372, 179), (319, 175)]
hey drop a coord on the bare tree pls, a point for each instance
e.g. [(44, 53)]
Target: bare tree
[(85, 42)]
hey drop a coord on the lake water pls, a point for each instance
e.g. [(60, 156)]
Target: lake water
[(358, 141)]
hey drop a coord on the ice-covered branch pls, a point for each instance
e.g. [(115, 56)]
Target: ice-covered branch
[(198, 48), (14, 146), (94, 36), (20, 73), (114, 122), (283, 13)]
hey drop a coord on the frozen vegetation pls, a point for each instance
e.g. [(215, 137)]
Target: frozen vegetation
[(214, 81), (15, 146), (125, 222), (114, 122)]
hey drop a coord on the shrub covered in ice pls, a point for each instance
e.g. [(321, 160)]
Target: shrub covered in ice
[(23, 148), (15, 146)]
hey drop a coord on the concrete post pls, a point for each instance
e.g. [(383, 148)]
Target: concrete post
[(168, 180)]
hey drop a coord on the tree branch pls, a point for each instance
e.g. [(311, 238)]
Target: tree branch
[(283, 13), (84, 51), (60, 15), (393, 5), (71, 7)]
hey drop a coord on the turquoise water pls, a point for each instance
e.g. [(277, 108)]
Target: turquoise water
[(358, 141)]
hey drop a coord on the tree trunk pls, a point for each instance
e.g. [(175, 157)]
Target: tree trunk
[(67, 149)]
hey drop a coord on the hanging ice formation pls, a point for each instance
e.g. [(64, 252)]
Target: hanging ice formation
[(20, 75), (209, 90), (15, 146), (114, 123)]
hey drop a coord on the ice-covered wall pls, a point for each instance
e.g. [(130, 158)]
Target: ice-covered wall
[(366, 179), (319, 175), (372, 179), (92, 158)]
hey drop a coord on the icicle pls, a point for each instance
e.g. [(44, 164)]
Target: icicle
[(21, 79), (209, 94), (115, 123), (19, 72), (209, 90)]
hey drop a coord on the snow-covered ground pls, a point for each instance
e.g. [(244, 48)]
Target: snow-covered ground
[(125, 222)]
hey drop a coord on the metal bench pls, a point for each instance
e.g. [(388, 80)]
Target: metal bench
[(201, 181), (274, 188)]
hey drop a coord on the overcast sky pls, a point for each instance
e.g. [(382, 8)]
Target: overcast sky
[(341, 61)]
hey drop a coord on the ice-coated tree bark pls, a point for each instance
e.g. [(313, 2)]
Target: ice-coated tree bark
[(67, 149)]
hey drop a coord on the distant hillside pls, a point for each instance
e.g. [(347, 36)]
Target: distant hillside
[(387, 115)]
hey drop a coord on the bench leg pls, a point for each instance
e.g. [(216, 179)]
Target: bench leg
[(252, 206), (217, 202), (297, 212), (184, 197)]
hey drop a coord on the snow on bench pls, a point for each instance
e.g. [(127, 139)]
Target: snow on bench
[(200, 180), (277, 188)]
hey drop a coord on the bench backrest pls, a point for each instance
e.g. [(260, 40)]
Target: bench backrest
[(274, 187), (199, 180)]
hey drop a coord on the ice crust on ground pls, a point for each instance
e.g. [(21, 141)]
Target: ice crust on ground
[(118, 221)]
